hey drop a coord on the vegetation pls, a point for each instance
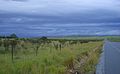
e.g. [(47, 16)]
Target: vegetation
[(111, 38), (10, 36), (48, 56), (114, 39)]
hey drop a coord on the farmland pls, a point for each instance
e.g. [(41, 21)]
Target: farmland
[(48, 56)]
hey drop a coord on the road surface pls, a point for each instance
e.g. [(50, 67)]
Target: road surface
[(110, 59)]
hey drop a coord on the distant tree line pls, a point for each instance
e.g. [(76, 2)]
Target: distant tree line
[(10, 36)]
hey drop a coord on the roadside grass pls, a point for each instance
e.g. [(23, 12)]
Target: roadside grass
[(49, 60), (90, 65)]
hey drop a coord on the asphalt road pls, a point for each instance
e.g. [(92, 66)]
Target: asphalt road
[(110, 59)]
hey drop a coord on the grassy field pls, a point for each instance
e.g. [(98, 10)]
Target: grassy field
[(111, 38), (49, 56), (114, 39)]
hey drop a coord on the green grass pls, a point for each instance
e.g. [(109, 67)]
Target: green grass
[(114, 39), (111, 38), (49, 60)]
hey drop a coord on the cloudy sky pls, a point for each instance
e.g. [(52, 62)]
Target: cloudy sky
[(29, 18)]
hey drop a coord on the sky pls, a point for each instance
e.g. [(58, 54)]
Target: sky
[(28, 18)]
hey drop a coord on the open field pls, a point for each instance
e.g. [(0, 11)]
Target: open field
[(111, 38), (114, 39), (48, 56)]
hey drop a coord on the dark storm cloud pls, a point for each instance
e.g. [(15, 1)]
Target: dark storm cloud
[(98, 16), (60, 17)]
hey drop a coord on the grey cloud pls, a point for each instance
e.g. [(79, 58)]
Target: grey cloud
[(62, 7), (98, 16), (60, 17)]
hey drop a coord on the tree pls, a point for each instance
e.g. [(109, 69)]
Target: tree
[(56, 45), (62, 43), (36, 49), (43, 38), (6, 44), (36, 44), (13, 36), (0, 42), (60, 46), (13, 43)]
